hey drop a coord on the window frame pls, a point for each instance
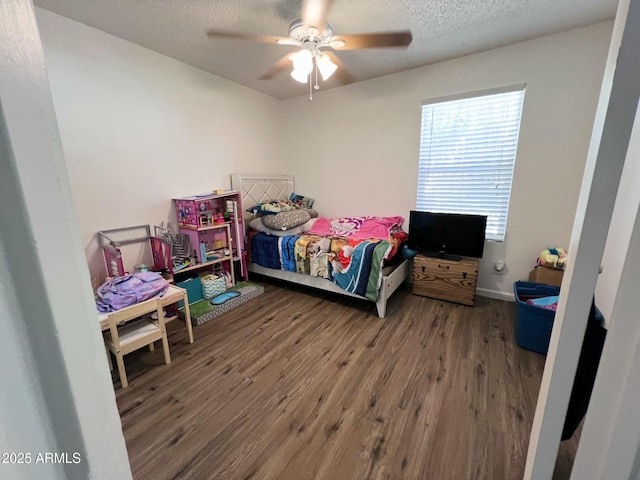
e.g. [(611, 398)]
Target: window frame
[(501, 235)]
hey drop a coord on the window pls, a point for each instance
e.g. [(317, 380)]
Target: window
[(467, 152)]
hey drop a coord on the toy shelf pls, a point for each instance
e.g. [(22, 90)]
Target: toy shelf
[(204, 264), (213, 223), (203, 229)]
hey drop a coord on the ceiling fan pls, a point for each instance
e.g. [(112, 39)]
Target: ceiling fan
[(315, 37)]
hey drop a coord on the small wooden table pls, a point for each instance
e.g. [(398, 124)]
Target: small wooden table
[(172, 295)]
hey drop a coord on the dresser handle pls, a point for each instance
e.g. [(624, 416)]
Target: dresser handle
[(423, 268), (443, 266)]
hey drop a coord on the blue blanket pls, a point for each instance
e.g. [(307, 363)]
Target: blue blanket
[(362, 276), (356, 277), (287, 252), (264, 251)]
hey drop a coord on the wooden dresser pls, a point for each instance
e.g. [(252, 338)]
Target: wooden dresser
[(451, 280)]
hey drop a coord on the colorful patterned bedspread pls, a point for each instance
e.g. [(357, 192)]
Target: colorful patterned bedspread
[(362, 228), (354, 264)]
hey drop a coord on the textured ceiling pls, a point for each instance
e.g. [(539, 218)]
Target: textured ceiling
[(441, 29)]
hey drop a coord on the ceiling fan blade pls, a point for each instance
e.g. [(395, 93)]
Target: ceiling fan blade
[(278, 67), (314, 13), (342, 74), (371, 40), (252, 37), (287, 41)]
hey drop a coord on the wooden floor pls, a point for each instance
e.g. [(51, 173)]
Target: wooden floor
[(297, 384)]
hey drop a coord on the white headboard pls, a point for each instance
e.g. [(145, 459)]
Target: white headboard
[(261, 188)]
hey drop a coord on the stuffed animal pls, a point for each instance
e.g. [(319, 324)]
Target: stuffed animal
[(553, 258)]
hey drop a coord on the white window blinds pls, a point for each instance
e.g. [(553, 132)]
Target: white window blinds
[(467, 152)]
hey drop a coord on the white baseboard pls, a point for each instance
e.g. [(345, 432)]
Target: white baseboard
[(497, 294)]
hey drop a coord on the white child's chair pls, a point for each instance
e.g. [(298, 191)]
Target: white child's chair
[(132, 336)]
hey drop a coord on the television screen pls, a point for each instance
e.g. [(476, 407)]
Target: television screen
[(447, 234), (425, 232)]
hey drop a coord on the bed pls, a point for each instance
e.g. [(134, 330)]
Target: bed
[(258, 189)]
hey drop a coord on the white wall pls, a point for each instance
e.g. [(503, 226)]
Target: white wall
[(56, 395), (612, 131), (615, 250), (139, 129), (26, 425), (355, 148)]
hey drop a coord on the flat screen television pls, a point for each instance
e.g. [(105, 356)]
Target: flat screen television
[(450, 235)]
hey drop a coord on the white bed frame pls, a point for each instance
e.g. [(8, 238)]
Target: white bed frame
[(260, 188)]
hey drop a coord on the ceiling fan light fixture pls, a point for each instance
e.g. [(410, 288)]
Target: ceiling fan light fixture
[(313, 34), (299, 75), (326, 66), (302, 65), (303, 61)]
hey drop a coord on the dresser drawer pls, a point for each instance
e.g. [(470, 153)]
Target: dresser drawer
[(444, 279), (465, 266)]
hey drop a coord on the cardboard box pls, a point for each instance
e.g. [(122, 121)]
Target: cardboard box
[(548, 276)]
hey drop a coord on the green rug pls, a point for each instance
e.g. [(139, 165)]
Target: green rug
[(203, 311)]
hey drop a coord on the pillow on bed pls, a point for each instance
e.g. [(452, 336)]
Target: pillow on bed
[(286, 220), (306, 227), (257, 225), (276, 206), (270, 208)]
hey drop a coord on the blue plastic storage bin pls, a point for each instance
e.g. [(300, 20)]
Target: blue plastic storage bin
[(534, 324)]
